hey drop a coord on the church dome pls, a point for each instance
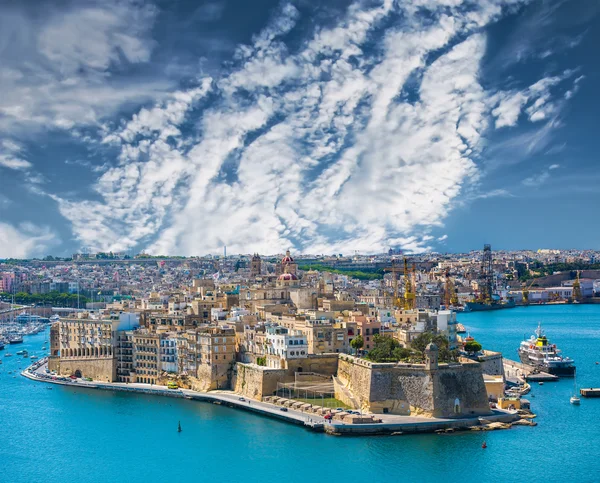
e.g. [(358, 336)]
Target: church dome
[(287, 277), (287, 259)]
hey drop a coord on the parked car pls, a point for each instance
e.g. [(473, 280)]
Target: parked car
[(242, 399), (283, 409)]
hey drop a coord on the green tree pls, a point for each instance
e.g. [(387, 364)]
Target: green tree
[(472, 346), (261, 361), (387, 349), (357, 343)]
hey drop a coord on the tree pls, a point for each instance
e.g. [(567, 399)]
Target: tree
[(387, 349), (472, 346), (357, 343), (261, 361), (420, 343)]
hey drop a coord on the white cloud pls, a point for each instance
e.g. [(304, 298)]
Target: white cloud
[(11, 156), (62, 69), (537, 97), (25, 240), (331, 147)]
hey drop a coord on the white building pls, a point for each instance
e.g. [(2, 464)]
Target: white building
[(285, 344), (168, 354)]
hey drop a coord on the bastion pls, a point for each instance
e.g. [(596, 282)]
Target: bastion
[(428, 390)]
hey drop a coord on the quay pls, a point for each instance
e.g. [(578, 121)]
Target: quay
[(389, 425), (516, 372), (590, 392)]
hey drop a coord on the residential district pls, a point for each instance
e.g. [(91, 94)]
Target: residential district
[(346, 338)]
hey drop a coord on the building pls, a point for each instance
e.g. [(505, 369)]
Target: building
[(85, 347), (146, 357), (255, 266), (284, 344)]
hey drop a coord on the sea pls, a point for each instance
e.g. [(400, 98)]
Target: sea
[(51, 433)]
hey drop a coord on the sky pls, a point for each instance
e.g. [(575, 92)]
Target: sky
[(179, 127)]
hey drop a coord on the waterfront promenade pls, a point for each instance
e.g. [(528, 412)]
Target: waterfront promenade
[(390, 424)]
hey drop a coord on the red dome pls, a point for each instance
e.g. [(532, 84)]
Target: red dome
[(287, 276), (287, 259)]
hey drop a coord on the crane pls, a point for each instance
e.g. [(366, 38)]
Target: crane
[(409, 286), (526, 292), (394, 269), (450, 297)]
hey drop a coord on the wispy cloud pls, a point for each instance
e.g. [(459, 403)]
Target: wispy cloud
[(358, 138), (25, 240)]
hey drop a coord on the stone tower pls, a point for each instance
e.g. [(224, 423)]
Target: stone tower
[(431, 356), (255, 265)]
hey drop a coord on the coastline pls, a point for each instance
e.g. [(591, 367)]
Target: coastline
[(392, 425)]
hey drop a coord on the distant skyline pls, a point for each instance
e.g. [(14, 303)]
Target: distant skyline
[(322, 127)]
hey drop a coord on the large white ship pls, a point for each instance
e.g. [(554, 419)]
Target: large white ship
[(538, 352)]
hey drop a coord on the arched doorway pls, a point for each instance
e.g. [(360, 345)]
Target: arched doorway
[(78, 373)]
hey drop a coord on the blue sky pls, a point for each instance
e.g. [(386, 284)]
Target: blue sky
[(178, 127)]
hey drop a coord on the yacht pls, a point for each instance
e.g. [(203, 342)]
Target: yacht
[(538, 352)]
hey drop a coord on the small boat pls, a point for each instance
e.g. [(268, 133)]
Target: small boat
[(484, 445), (179, 427), (8, 354), (541, 383), (33, 358), (20, 352)]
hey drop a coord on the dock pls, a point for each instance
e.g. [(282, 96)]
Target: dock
[(590, 392), (517, 372)]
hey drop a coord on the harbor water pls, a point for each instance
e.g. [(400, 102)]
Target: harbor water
[(56, 433)]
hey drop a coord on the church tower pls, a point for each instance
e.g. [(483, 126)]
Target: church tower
[(255, 265)]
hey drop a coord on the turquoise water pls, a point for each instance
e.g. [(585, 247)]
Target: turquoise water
[(70, 434)]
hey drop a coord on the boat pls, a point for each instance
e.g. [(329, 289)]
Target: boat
[(493, 305), (538, 352), (25, 318), (20, 353), (1, 345), (15, 339), (179, 427), (33, 358), (460, 329), (8, 354)]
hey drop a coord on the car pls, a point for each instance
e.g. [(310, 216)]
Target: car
[(283, 409), (339, 409), (242, 399)]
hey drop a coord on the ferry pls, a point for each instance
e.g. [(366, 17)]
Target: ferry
[(538, 352)]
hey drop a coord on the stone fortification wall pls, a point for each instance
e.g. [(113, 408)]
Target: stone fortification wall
[(412, 389), (256, 382), (492, 363), (100, 369), (213, 376), (326, 364)]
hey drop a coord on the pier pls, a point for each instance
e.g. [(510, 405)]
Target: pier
[(517, 372), (389, 424), (590, 392)]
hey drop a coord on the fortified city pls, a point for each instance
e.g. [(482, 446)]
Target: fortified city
[(299, 240)]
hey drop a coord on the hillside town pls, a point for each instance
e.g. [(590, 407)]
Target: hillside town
[(291, 328)]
